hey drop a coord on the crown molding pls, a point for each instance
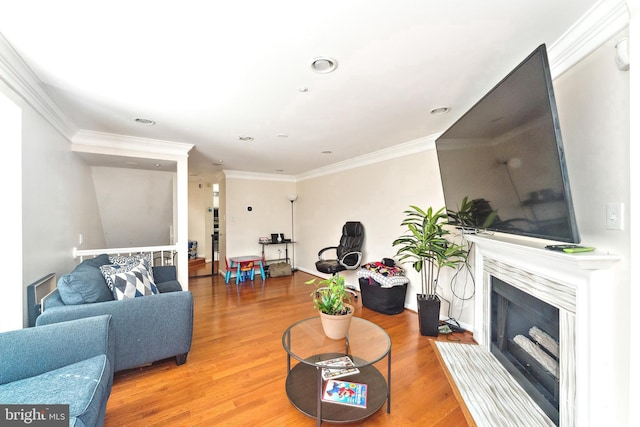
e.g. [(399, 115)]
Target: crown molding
[(235, 174), (113, 144), (23, 81), (603, 21), (386, 154)]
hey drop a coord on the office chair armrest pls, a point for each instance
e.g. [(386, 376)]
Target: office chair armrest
[(328, 248), (354, 265)]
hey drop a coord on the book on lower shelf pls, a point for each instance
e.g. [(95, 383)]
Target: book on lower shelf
[(338, 367), (345, 393)]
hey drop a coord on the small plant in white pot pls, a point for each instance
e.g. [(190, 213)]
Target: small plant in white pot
[(425, 246), (331, 298)]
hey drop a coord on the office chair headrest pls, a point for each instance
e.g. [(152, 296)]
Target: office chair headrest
[(352, 229)]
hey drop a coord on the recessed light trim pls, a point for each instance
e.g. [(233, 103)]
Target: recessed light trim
[(324, 64), (440, 110), (245, 138), (144, 122)]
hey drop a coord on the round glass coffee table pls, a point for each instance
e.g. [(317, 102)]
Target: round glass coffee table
[(365, 344)]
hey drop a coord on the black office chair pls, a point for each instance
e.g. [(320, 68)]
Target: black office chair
[(348, 254)]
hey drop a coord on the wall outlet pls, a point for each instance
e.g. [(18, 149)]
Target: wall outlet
[(615, 216)]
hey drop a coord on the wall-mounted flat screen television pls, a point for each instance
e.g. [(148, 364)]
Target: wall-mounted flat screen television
[(505, 159)]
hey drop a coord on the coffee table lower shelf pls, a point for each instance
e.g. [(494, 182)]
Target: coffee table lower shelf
[(302, 390)]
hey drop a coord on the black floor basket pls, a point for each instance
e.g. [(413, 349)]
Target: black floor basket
[(383, 300)]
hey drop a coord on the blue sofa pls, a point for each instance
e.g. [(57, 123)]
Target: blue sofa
[(147, 328), (69, 363)]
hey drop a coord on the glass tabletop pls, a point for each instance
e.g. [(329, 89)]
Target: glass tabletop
[(366, 342)]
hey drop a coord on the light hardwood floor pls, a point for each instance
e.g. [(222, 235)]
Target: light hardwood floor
[(236, 370)]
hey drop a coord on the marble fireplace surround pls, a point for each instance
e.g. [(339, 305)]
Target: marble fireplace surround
[(577, 285)]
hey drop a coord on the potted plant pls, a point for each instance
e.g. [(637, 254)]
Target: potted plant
[(426, 247), (331, 298)]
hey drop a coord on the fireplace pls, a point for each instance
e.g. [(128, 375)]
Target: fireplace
[(564, 287), (525, 333)]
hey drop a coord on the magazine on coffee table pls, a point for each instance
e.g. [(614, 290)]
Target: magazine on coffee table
[(345, 393), (340, 367)]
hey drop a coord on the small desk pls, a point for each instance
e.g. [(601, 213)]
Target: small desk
[(248, 258), (286, 250)]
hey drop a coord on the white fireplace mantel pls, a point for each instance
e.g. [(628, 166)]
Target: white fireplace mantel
[(580, 286)]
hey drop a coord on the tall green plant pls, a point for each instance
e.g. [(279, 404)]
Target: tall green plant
[(425, 246)]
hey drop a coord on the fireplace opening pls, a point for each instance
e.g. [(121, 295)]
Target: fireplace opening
[(525, 335)]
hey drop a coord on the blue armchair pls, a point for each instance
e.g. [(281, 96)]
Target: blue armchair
[(66, 363)]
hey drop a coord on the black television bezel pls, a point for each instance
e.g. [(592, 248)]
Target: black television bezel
[(574, 235)]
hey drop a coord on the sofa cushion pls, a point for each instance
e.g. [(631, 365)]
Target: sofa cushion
[(164, 273), (110, 269), (85, 284), (97, 261), (133, 259), (84, 386), (129, 280), (169, 286)]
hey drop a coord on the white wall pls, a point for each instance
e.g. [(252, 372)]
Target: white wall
[(58, 202), (136, 206), (593, 102), (270, 213), (634, 159), (11, 316)]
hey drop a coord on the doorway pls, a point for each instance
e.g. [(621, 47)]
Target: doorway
[(207, 219), (215, 236)]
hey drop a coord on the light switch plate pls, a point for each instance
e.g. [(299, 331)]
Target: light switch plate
[(615, 216)]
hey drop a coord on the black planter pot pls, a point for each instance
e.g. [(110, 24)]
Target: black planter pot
[(428, 314)]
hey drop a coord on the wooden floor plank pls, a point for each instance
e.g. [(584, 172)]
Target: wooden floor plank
[(235, 373)]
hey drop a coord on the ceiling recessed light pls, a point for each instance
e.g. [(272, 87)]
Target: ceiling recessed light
[(326, 152), (440, 110), (303, 89), (282, 135), (144, 122), (157, 165), (245, 138), (279, 170), (324, 64)]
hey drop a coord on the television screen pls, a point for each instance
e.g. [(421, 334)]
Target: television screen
[(502, 163)]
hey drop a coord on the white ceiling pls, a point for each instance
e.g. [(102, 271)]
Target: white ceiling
[(209, 72)]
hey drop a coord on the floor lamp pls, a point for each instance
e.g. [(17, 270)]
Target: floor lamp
[(293, 198)]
